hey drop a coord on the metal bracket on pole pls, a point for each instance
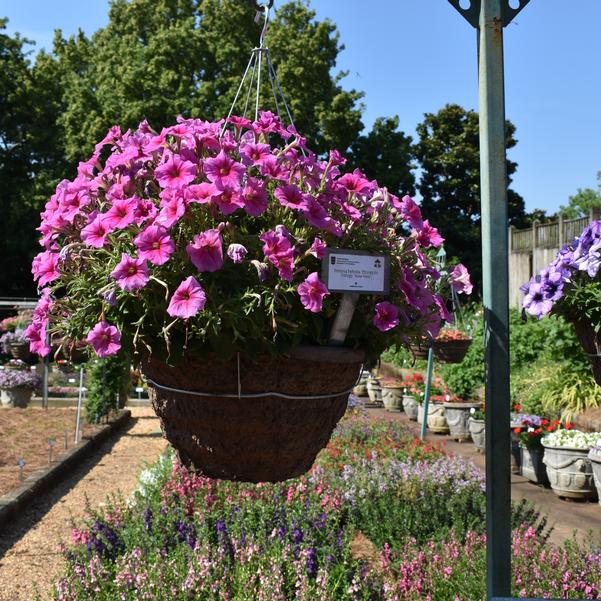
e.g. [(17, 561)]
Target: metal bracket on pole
[(472, 12)]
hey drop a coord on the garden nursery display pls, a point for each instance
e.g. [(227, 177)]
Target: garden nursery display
[(199, 250)]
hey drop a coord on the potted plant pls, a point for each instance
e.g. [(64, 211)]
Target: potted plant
[(199, 251), (457, 413), (451, 345), (360, 388), (570, 286), (392, 394), (374, 391), (437, 421), (16, 344), (594, 456), (568, 467), (411, 390), (531, 448), (17, 383), (477, 427)]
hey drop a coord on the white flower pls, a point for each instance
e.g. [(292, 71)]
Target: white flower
[(574, 439)]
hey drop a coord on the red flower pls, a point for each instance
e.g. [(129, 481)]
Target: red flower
[(517, 407), (569, 425), (517, 430)]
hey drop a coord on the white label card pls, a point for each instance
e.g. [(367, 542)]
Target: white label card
[(356, 271)]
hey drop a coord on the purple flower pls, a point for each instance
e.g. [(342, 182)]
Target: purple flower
[(105, 339), (206, 250), (312, 292), (236, 252), (535, 301), (187, 300), (130, 274), (386, 317)]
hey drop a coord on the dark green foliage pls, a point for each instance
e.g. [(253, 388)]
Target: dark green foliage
[(108, 385), (448, 153), (583, 201)]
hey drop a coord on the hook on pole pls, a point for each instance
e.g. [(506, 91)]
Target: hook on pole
[(263, 7)]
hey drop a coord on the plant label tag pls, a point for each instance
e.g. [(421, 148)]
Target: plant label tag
[(71, 380), (139, 389), (356, 271)]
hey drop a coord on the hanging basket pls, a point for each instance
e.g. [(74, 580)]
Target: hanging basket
[(591, 344), (451, 351), (419, 350), (266, 438), (20, 350)]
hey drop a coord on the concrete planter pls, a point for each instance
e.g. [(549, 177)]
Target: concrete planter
[(15, 397), (392, 397), (410, 405), (374, 392), (361, 388), (458, 415), (570, 472), (595, 459), (437, 421), (477, 432), (533, 467)]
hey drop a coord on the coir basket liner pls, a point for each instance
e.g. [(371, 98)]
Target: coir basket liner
[(263, 439), (591, 344)]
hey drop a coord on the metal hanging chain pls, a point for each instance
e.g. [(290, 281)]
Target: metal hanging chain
[(255, 67)]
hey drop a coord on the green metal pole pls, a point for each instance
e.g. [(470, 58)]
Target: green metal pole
[(493, 183), (427, 393)]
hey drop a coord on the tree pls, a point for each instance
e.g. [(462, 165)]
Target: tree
[(159, 58), (449, 157), (386, 154), (583, 201)]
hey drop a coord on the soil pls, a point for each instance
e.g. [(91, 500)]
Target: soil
[(25, 434)]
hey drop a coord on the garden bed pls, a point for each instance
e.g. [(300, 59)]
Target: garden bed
[(25, 433), (380, 516)]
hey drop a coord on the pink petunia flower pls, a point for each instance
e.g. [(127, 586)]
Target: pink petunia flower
[(254, 154), (255, 197), (429, 236), (227, 198), (386, 317), (154, 244), (290, 196), (318, 249), (356, 182), (409, 211), (201, 193), (95, 233), (187, 300), (312, 292), (45, 268), (36, 334), (460, 279), (104, 338), (225, 170), (206, 250), (130, 273), (121, 214), (175, 173), (173, 208)]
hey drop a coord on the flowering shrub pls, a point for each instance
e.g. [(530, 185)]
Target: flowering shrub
[(569, 286), (182, 536), (212, 240), (536, 428), (574, 439), (19, 378)]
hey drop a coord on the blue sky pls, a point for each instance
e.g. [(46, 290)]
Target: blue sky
[(413, 56)]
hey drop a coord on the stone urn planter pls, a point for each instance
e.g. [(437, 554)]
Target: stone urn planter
[(15, 397), (392, 395), (533, 467), (374, 392), (458, 415), (595, 459), (570, 472), (437, 421), (477, 432), (516, 453), (410, 406), (361, 387)]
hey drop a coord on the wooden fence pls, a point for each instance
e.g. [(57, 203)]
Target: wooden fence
[(533, 248)]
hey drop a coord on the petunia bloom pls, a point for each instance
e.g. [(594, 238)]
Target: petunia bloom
[(121, 214), (206, 250), (154, 244), (45, 268), (236, 252), (95, 233), (130, 273), (312, 292), (460, 279), (224, 170), (104, 338), (386, 317), (187, 300), (175, 173)]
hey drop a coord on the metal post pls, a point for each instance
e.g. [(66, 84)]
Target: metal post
[(493, 185), (45, 378), (427, 393), (79, 399)]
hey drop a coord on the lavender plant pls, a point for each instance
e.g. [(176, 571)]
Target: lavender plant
[(19, 378)]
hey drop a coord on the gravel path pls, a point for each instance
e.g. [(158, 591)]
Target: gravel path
[(29, 555)]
